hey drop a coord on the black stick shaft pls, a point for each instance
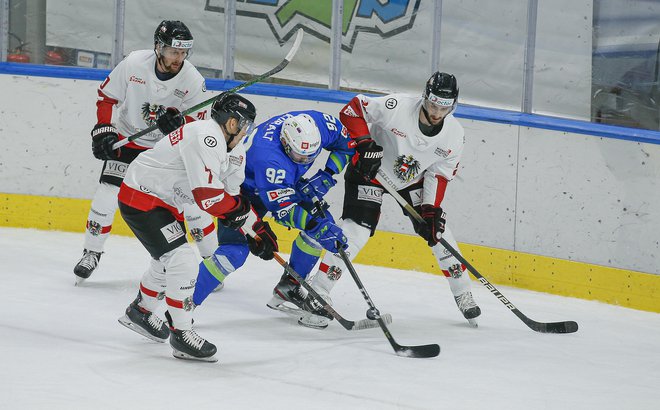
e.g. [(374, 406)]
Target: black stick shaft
[(195, 108), (553, 327)]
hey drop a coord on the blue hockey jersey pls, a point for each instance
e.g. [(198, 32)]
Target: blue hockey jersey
[(271, 175)]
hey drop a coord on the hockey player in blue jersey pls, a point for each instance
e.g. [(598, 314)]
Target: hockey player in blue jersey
[(279, 152)]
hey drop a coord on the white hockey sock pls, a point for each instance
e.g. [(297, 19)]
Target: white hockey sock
[(332, 267), (101, 215), (152, 285), (202, 229), (181, 267), (452, 268)]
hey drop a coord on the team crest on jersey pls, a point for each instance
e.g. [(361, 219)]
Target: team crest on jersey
[(406, 167), (151, 112), (284, 17)]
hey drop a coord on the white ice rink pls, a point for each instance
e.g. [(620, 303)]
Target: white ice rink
[(62, 347)]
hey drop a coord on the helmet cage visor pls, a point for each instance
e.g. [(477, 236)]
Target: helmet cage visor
[(177, 49), (436, 105), (245, 124), (298, 158)]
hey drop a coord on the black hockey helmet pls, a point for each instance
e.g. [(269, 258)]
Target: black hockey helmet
[(440, 95), (441, 86), (232, 105), (173, 33)]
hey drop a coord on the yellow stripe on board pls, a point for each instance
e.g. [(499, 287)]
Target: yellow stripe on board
[(540, 273)]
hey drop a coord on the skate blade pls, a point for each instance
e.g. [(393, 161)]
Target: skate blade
[(126, 321), (79, 280), (473, 322), (308, 319), (184, 356), (277, 303)]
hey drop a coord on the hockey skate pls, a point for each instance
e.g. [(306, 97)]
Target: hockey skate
[(313, 315), (288, 296), (86, 265), (146, 323), (468, 307), (188, 345)]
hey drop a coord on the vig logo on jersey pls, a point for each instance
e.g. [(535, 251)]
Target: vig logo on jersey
[(286, 16)]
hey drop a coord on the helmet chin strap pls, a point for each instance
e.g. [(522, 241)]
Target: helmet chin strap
[(231, 136)]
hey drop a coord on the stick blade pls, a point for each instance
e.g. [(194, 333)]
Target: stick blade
[(418, 352), (554, 327)]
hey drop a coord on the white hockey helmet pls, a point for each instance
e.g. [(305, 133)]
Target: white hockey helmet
[(301, 138)]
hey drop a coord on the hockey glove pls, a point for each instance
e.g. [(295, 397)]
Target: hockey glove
[(434, 227), (369, 158), (328, 235), (266, 246), (170, 120), (317, 186), (236, 217), (103, 138)]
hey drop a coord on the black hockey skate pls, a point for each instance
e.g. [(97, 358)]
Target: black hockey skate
[(468, 307), (287, 290), (188, 345), (313, 315), (146, 323), (86, 265)]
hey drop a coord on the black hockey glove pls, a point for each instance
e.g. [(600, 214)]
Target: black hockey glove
[(235, 218), (369, 158), (266, 246), (170, 120), (103, 138), (434, 227)]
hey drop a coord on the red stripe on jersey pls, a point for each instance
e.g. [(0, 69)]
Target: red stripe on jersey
[(104, 229), (174, 303), (440, 191), (144, 202), (147, 291), (357, 126), (104, 108), (219, 209)]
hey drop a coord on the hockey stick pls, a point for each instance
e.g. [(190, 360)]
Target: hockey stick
[(280, 67), (421, 351), (542, 327), (347, 324)]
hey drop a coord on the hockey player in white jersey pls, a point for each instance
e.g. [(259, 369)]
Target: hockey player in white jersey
[(418, 144), (148, 87), (200, 164)]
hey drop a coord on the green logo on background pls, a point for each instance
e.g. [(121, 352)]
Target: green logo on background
[(314, 16)]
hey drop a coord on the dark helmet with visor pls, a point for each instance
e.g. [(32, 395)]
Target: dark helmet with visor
[(175, 34), (441, 93), (232, 105)]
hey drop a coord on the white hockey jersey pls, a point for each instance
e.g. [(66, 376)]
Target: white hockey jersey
[(194, 157), (141, 97), (408, 154)]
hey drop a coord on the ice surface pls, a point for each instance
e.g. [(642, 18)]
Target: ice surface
[(63, 348)]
